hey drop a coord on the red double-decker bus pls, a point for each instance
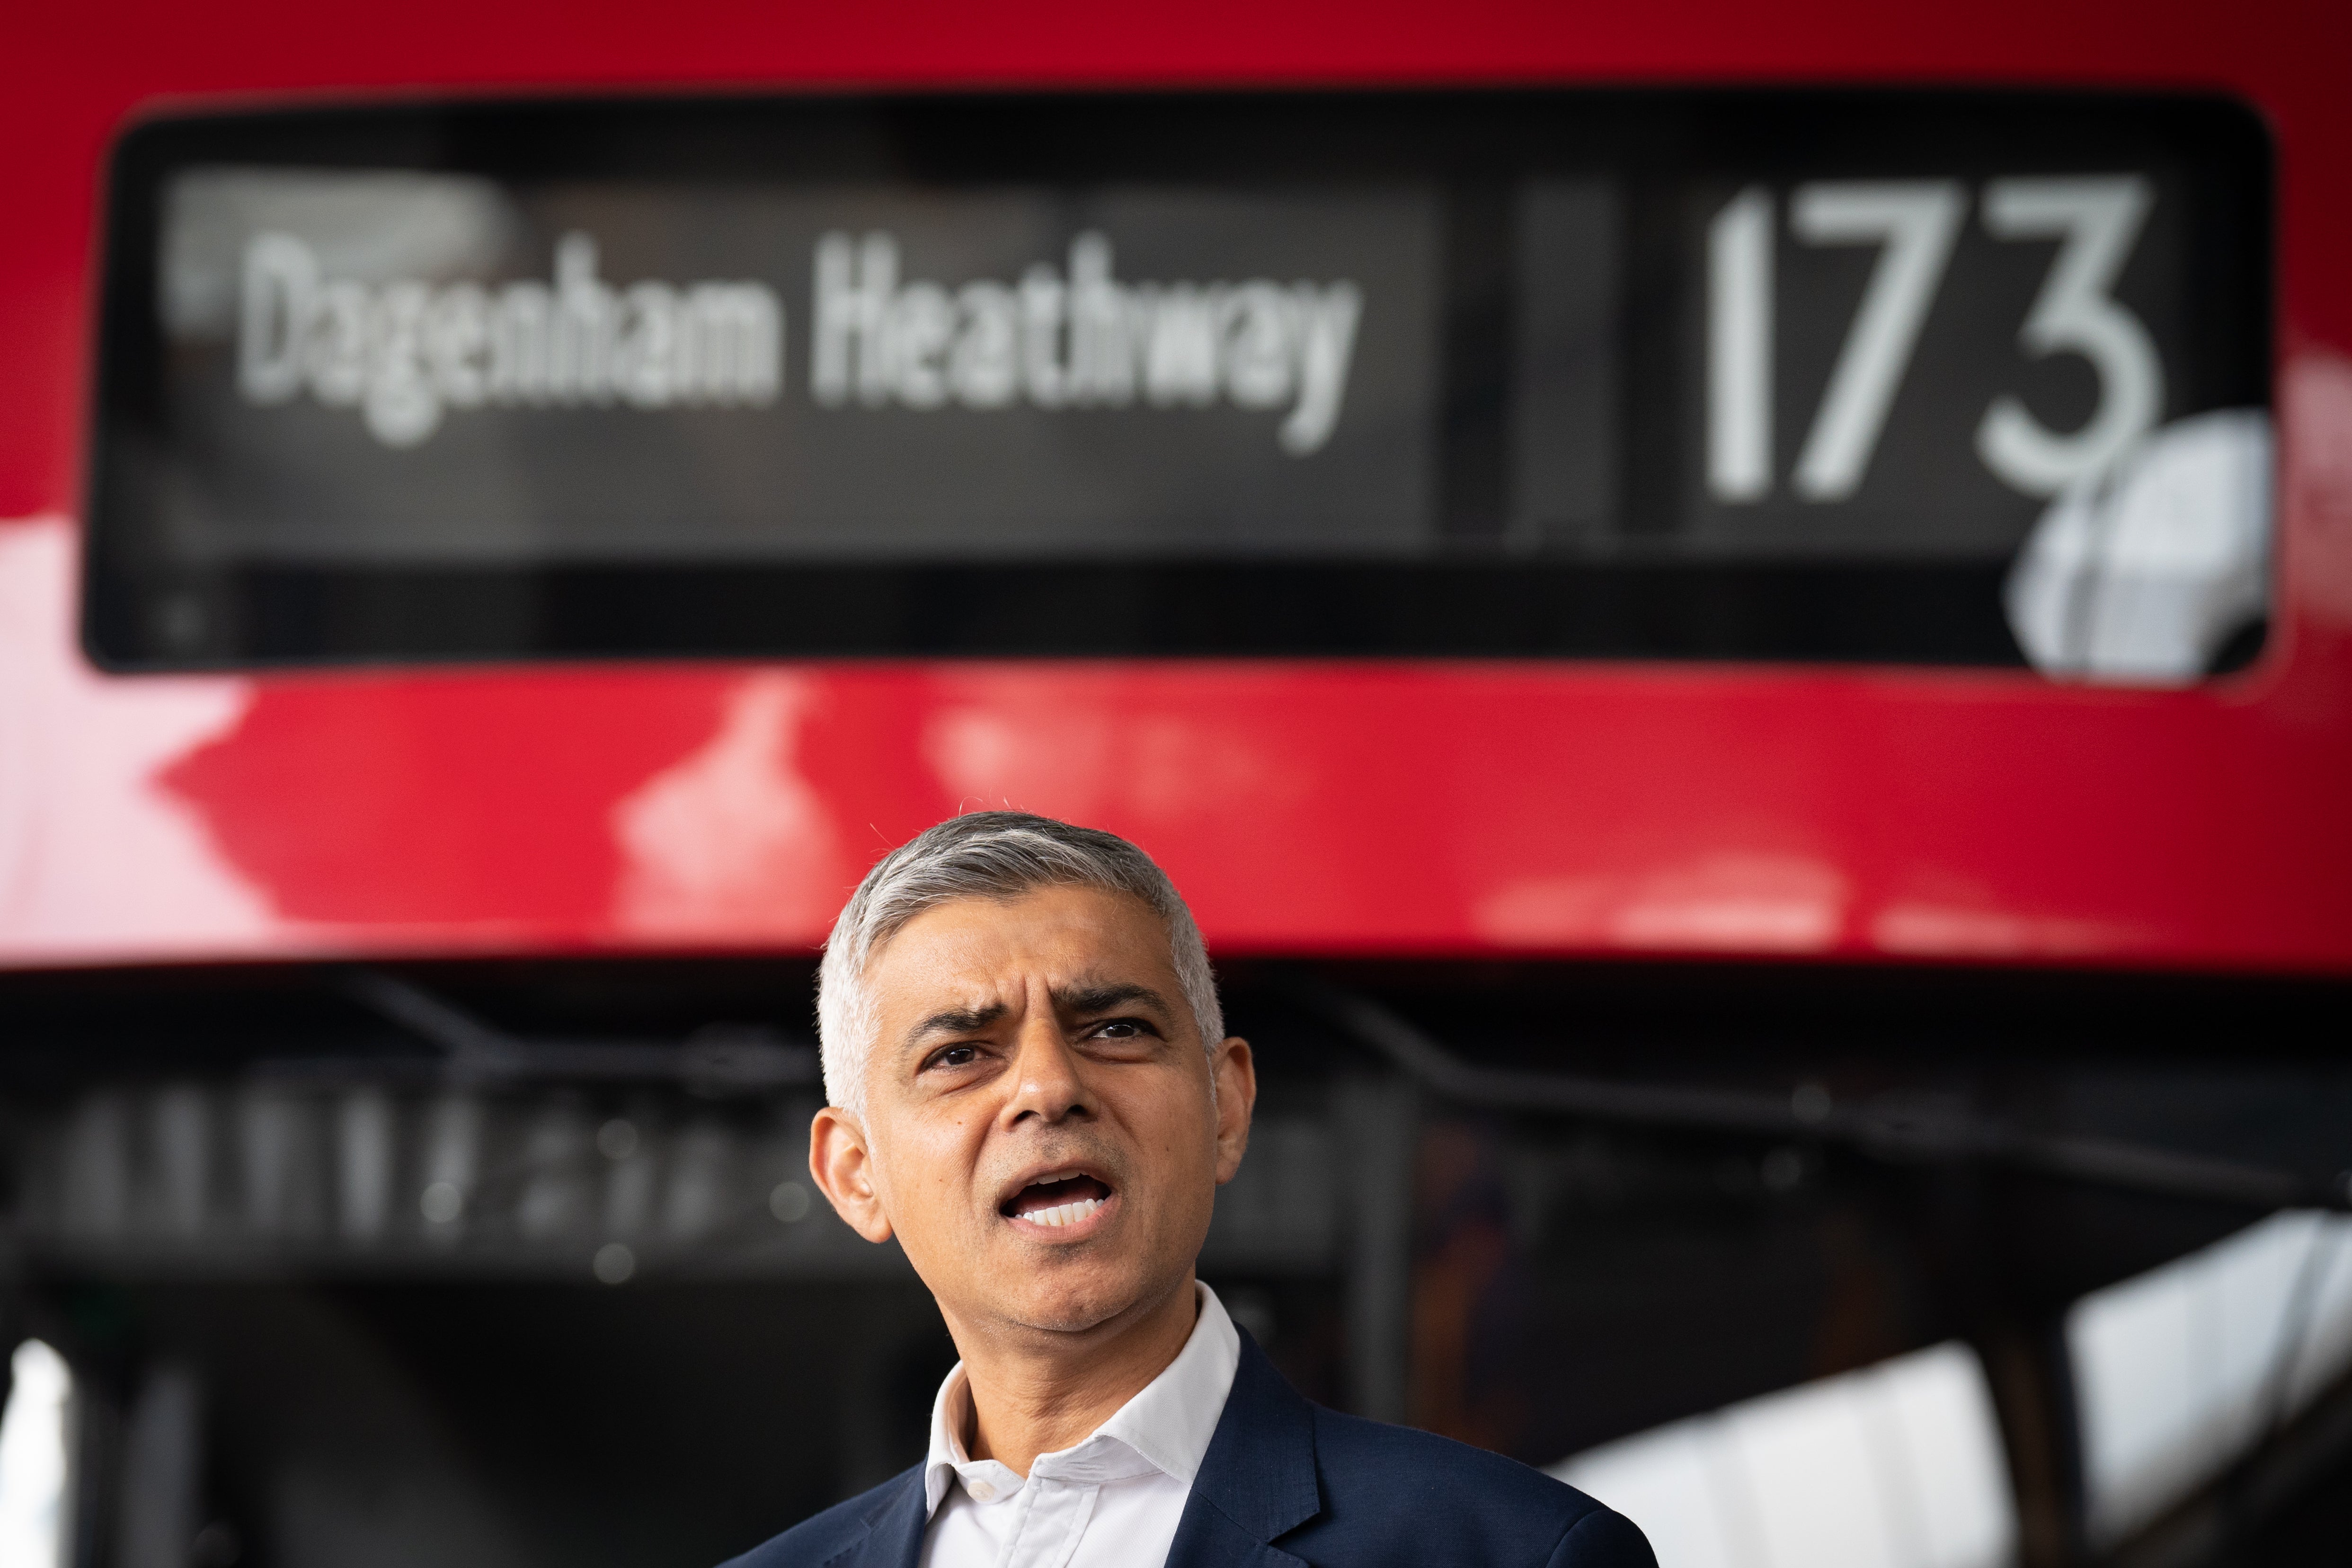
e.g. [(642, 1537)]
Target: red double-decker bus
[(1736, 623)]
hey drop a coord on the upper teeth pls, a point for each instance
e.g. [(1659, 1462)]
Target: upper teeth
[(1064, 1213)]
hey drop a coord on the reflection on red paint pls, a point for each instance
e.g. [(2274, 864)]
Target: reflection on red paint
[(464, 804), (96, 857), (731, 845)]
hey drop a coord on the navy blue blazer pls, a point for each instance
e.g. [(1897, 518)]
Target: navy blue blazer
[(1285, 1483)]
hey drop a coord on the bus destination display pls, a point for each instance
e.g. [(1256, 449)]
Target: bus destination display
[(1529, 374), (417, 368)]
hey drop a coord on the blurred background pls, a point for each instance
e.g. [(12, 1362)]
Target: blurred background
[(1738, 626)]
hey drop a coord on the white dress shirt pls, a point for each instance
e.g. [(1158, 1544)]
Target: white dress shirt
[(1110, 1501)]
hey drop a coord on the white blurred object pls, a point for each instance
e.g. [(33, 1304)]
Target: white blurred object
[(2178, 1370), (1898, 1466), (34, 1460), (2141, 573)]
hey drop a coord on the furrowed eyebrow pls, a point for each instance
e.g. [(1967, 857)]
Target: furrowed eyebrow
[(955, 1020), (1086, 1001)]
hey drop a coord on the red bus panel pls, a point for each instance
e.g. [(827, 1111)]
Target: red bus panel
[(1428, 806)]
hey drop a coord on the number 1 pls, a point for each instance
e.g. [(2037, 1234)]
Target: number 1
[(1740, 349)]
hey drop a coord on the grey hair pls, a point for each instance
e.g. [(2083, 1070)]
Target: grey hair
[(992, 855)]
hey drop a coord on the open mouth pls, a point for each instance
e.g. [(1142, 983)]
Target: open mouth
[(1058, 1202)]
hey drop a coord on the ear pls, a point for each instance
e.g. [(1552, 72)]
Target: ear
[(843, 1167), (1235, 1071)]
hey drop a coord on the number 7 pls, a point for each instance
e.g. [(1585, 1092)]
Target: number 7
[(1917, 222)]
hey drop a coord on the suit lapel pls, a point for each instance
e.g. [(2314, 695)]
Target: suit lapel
[(1257, 1480), (894, 1530), (1256, 1483)]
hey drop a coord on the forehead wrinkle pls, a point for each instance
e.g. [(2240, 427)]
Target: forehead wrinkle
[(984, 971)]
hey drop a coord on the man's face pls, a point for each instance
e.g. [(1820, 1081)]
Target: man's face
[(1040, 1131)]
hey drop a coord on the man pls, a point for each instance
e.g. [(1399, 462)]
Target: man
[(1033, 1091)]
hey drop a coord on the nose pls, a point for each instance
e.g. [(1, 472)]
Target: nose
[(1046, 1086)]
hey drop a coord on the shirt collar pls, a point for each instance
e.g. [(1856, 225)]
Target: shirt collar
[(1168, 1424)]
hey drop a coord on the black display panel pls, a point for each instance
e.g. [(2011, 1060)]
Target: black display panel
[(1745, 376)]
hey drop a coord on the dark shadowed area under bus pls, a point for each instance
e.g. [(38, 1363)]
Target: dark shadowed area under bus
[(515, 1265)]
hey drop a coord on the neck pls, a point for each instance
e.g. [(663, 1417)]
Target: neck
[(1039, 1391)]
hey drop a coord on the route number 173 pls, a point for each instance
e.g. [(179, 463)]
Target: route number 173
[(1915, 223)]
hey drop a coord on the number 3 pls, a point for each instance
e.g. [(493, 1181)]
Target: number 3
[(2100, 220)]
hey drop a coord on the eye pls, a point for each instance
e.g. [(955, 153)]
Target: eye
[(1122, 1028), (956, 1056)]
